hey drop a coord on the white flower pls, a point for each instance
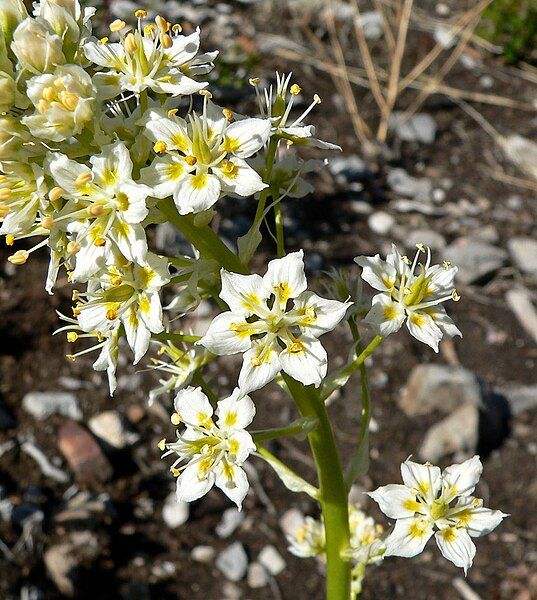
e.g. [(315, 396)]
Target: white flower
[(410, 292), (308, 539), (21, 192), (205, 157), (130, 296), (12, 12), (276, 105), (151, 57), (210, 453), (275, 322), (14, 140), (37, 46), (64, 102), (8, 91), (440, 503), (105, 208), (180, 366)]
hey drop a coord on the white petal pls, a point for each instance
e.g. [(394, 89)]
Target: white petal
[(480, 520), (241, 179), (164, 174), (424, 478), (241, 445), (443, 322), (379, 274), (150, 311), (460, 480), (190, 486), (138, 335), (244, 294), (457, 546), (285, 277), (65, 173), (184, 48), (93, 317), (408, 537), (395, 501), (196, 193), (232, 480), (193, 406), (305, 360), (245, 137), (171, 131), (319, 314), (104, 55), (228, 333), (130, 239), (261, 364), (235, 412), (112, 166), (424, 329), (385, 316)]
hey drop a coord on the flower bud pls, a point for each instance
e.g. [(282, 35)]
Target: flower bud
[(12, 12), (12, 137), (8, 91), (37, 47)]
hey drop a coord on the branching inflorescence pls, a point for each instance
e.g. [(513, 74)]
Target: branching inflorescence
[(101, 139)]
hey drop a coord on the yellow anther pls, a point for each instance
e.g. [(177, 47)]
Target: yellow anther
[(100, 242), (49, 93), (4, 210), (3, 179), (5, 193), (73, 248), (172, 112), (176, 28), (254, 81), (55, 194), (72, 336), (116, 280), (162, 444), (42, 106), (166, 41), (162, 24), (19, 258), (160, 147), (175, 419), (95, 210), (117, 25), (70, 357), (295, 348), (74, 295), (131, 45), (191, 160), (10, 240), (206, 94), (149, 30), (103, 40), (295, 89), (446, 264), (83, 178), (317, 99), (454, 296), (111, 314), (140, 13), (47, 222), (420, 247), (70, 101)]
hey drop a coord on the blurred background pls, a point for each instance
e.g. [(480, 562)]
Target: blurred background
[(434, 105)]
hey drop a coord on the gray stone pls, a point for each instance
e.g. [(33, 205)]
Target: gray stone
[(429, 237), (419, 206), (233, 562), (439, 387), (457, 434), (272, 560), (202, 554), (381, 222), (371, 23), (111, 427), (348, 169), (420, 127), (42, 405), (175, 513), (475, 259), (519, 301), (524, 253), (411, 187), (520, 397), (232, 518), (257, 576)]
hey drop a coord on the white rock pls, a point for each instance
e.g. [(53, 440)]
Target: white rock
[(231, 519), (233, 562), (381, 222), (444, 36), (524, 252), (111, 427), (60, 562), (420, 127), (371, 23), (257, 576), (429, 237), (474, 259), (519, 301), (175, 513), (42, 405), (439, 387), (520, 397), (411, 187), (231, 591), (203, 554), (43, 462), (272, 560), (456, 434)]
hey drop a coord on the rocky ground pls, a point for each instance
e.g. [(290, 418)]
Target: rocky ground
[(86, 504)]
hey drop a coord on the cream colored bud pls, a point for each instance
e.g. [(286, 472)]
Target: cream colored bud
[(37, 47), (19, 258)]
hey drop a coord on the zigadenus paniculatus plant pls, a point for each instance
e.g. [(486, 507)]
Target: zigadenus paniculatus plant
[(100, 139)]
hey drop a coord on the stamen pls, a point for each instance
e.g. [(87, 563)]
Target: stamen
[(117, 25)]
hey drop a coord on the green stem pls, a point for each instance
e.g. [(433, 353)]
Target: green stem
[(199, 380), (278, 222), (265, 193), (176, 337), (203, 238), (299, 428), (333, 490)]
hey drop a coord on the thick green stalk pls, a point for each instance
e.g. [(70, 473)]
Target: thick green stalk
[(176, 337), (202, 237), (264, 194), (278, 222), (333, 490)]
